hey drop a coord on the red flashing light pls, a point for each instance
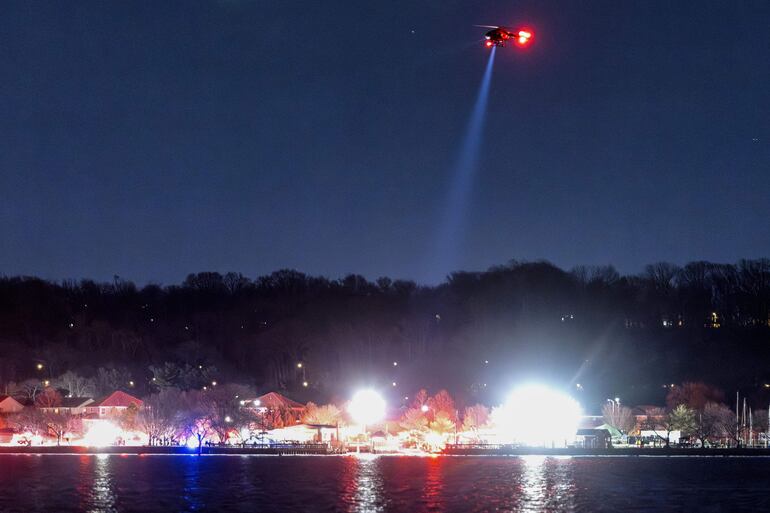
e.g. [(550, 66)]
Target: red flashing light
[(524, 37), (489, 44)]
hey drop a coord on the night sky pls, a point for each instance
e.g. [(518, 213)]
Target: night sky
[(154, 139)]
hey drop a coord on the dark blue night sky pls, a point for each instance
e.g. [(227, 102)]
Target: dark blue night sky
[(154, 139)]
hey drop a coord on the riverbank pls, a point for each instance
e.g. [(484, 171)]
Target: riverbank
[(182, 450), (620, 451), (323, 450)]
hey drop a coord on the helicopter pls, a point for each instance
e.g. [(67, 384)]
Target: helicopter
[(499, 36)]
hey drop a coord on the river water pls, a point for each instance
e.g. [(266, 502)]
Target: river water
[(62, 483)]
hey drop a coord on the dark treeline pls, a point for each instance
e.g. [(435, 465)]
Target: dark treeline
[(476, 334)]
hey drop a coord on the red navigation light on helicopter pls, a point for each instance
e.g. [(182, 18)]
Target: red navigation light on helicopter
[(499, 36), (523, 37)]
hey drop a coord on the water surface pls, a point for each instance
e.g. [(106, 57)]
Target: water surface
[(118, 483)]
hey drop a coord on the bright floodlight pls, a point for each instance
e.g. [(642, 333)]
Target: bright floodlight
[(367, 407), (536, 415), (102, 434)]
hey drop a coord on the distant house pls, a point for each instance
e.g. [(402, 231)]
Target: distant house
[(70, 406), (114, 404), (592, 438), (276, 401), (303, 433), (277, 409), (10, 405)]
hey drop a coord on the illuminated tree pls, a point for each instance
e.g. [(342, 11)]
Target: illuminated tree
[(475, 417), (128, 419), (60, 424), (30, 420), (414, 420), (420, 399), (224, 411), (327, 414), (161, 415), (442, 404), (682, 418), (196, 417), (442, 424)]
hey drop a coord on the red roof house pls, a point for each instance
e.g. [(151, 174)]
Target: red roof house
[(115, 403), (10, 405), (276, 401)]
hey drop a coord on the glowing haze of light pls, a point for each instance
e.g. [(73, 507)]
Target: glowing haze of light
[(101, 434), (535, 415), (367, 407), (453, 227)]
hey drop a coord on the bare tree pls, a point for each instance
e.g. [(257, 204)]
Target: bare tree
[(620, 417), (109, 380), (727, 424), (48, 398), (60, 424), (161, 415), (196, 417), (475, 417), (695, 395), (327, 414), (708, 422), (659, 422), (27, 390), (75, 385)]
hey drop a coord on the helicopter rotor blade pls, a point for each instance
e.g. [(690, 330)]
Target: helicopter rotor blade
[(487, 26)]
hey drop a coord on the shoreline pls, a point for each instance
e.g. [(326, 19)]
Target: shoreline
[(305, 451)]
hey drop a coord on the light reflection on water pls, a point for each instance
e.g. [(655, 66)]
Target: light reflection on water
[(547, 484), (380, 484), (192, 489), (102, 496), (368, 496), (433, 490)]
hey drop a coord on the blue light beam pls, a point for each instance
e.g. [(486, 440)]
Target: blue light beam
[(456, 216)]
